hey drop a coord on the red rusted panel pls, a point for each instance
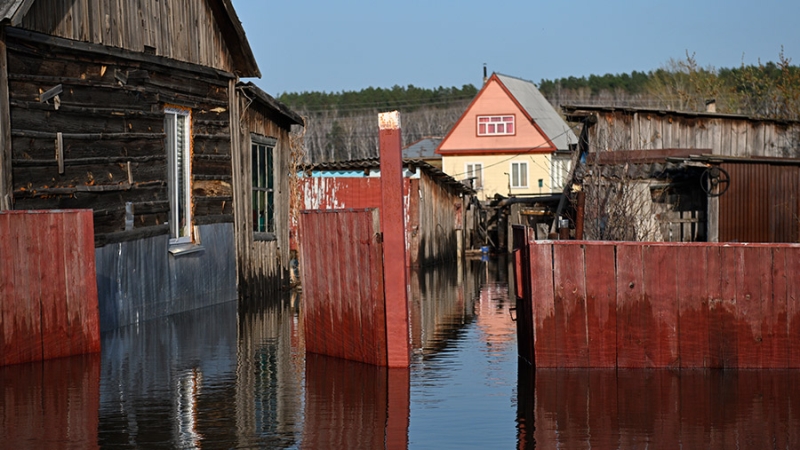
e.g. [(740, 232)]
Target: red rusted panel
[(394, 242), (343, 309), (775, 351), (793, 306), (661, 295), (542, 294), (601, 305), (753, 284), (55, 295), (723, 335), (693, 295), (572, 342), (633, 315)]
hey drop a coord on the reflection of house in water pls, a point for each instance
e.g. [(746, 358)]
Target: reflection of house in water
[(269, 374)]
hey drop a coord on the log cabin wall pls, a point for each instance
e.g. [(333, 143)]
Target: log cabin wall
[(263, 261), (106, 129)]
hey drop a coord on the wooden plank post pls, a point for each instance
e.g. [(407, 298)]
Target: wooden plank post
[(394, 244), (6, 186)]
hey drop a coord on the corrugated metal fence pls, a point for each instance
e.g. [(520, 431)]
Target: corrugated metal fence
[(343, 296), (612, 304), (48, 289)]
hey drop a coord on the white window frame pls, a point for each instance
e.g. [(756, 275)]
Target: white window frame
[(519, 175), (180, 172), (496, 125), (470, 170), (559, 172)]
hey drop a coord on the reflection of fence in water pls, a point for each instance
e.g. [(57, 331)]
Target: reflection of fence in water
[(609, 408)]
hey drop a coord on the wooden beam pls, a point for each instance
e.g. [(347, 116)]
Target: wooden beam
[(6, 186)]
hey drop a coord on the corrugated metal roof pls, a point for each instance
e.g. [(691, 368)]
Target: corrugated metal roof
[(423, 149), (540, 110), (10, 8), (433, 172)]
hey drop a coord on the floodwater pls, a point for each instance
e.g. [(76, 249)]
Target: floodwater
[(238, 377)]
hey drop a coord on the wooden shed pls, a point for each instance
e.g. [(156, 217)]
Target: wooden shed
[(126, 108), (756, 158)]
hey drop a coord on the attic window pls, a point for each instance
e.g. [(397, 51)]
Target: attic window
[(495, 125)]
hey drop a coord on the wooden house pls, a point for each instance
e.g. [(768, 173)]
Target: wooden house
[(509, 141), (438, 209), (127, 108), (703, 175)]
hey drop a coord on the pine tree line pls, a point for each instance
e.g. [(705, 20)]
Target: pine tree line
[(343, 125)]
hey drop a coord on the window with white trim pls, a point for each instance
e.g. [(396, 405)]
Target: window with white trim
[(474, 173), (177, 127), (559, 172), (263, 184), (519, 175), (495, 125)]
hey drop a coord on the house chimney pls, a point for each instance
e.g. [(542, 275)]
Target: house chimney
[(711, 105), (485, 78)]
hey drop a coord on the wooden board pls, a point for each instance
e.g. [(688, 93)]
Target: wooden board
[(634, 317), (661, 297), (544, 319), (572, 341), (601, 305), (693, 307)]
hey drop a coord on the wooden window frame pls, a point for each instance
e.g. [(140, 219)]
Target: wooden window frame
[(265, 231)]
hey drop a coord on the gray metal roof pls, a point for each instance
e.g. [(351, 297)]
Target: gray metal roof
[(423, 149), (12, 10), (540, 110)]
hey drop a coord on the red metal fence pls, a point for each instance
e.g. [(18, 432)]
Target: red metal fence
[(613, 304), (48, 289), (344, 311)]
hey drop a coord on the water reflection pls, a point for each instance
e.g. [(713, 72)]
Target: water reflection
[(229, 376), (602, 408)]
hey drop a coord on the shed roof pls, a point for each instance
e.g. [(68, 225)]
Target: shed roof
[(540, 110), (576, 112), (12, 12), (272, 103), (423, 149)]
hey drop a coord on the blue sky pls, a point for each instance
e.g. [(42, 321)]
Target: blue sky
[(316, 45)]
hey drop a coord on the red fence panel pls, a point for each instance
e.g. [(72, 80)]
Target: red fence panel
[(344, 313), (640, 305), (48, 287)]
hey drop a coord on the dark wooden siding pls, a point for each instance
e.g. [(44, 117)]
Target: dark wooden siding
[(761, 204), (112, 124), (184, 30)]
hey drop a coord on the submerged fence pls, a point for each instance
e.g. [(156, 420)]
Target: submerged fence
[(48, 288), (639, 305)]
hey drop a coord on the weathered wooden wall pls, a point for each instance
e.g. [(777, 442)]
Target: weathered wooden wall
[(344, 311), (113, 134), (48, 295), (263, 265), (729, 135), (433, 213), (185, 30), (638, 305)]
